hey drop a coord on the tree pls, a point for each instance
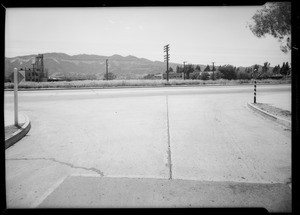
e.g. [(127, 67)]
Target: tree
[(287, 68), (198, 68), (204, 76), (179, 69), (250, 70), (194, 75), (218, 75), (171, 69), (264, 70), (274, 19), (243, 75), (276, 70), (189, 68), (228, 72), (207, 68), (282, 69), (111, 76), (266, 66), (255, 73)]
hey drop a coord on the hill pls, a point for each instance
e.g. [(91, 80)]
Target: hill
[(93, 66)]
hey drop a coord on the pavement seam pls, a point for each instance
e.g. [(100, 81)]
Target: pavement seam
[(63, 163), (169, 144), (37, 202)]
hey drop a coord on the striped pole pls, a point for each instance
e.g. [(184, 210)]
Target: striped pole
[(254, 92)]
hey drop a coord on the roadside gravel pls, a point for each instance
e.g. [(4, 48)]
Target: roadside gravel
[(285, 114)]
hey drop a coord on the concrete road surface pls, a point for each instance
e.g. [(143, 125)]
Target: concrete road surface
[(202, 133)]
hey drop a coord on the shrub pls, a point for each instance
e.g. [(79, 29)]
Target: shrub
[(204, 76), (218, 75), (228, 72), (243, 76), (194, 75), (110, 75)]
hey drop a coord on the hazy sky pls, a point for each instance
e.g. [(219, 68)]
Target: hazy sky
[(198, 35)]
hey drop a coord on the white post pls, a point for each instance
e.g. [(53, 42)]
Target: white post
[(16, 95)]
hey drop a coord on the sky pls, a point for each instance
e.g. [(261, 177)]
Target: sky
[(197, 35)]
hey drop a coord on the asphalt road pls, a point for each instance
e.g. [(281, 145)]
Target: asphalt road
[(202, 133)]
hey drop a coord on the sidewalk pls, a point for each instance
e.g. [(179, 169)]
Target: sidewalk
[(9, 119), (14, 133), (274, 113)]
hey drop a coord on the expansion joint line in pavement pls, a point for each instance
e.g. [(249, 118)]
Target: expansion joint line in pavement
[(63, 163), (169, 146)]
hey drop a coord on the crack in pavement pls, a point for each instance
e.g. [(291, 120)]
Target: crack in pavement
[(63, 163)]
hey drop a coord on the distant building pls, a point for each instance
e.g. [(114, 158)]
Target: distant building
[(31, 75), (157, 76), (173, 75), (38, 73), (209, 73)]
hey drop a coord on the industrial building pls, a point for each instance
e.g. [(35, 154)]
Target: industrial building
[(37, 73)]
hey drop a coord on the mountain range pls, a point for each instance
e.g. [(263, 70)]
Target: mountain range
[(83, 65), (93, 66)]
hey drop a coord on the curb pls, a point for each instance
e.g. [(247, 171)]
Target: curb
[(277, 119), (19, 134)]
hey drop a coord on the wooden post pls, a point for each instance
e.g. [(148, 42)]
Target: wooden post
[(166, 49), (167, 65), (106, 70), (184, 70), (213, 69)]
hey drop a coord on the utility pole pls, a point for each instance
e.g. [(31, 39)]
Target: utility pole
[(184, 69), (213, 69), (106, 69), (33, 72), (167, 58)]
